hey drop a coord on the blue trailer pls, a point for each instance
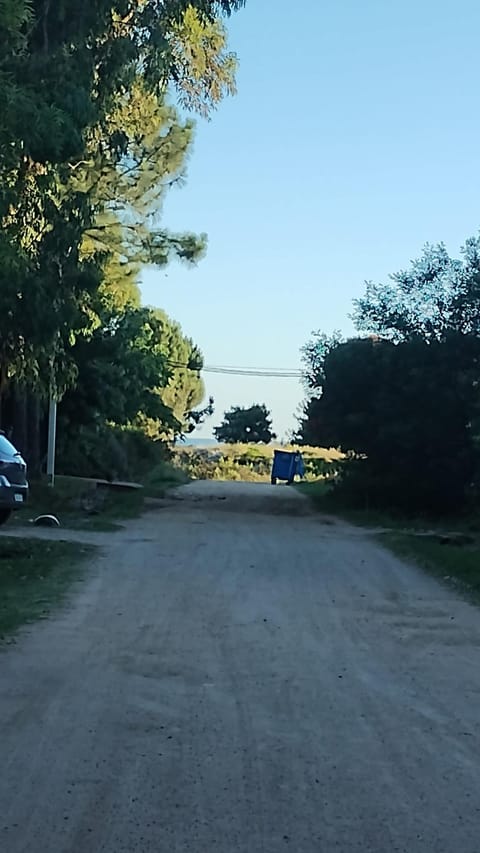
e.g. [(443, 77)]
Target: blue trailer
[(286, 466)]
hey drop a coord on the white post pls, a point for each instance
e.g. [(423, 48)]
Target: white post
[(52, 434)]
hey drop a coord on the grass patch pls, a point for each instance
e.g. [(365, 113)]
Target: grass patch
[(328, 501), (118, 506), (447, 547), (81, 505), (417, 539), (323, 497), (35, 576), (318, 491), (458, 565), (162, 478)]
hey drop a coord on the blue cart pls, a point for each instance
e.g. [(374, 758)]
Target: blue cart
[(286, 466)]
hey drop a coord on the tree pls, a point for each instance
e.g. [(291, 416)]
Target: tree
[(402, 413), (88, 145), (314, 353), (204, 71), (64, 68), (185, 389), (67, 63), (137, 368), (250, 426), (403, 403), (436, 296), (129, 395), (127, 199), (127, 196)]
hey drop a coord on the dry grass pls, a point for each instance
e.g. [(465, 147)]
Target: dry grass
[(265, 451), (249, 462)]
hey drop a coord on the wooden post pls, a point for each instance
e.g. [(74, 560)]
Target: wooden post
[(52, 435)]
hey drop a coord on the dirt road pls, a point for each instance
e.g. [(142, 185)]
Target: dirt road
[(237, 676)]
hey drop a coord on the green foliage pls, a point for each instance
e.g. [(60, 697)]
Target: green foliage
[(119, 369), (318, 491), (128, 376), (35, 577), (435, 297), (456, 565), (319, 468), (248, 462), (72, 61), (165, 475), (404, 402), (135, 367), (80, 504), (248, 425), (226, 463), (127, 191), (46, 288), (109, 452), (185, 390), (203, 68), (87, 148), (314, 354)]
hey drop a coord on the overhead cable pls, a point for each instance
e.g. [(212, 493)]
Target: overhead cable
[(270, 372)]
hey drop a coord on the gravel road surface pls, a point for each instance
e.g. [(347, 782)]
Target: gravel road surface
[(240, 675)]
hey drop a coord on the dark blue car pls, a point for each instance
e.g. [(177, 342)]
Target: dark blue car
[(13, 479)]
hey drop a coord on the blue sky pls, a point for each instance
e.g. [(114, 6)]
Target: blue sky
[(353, 140)]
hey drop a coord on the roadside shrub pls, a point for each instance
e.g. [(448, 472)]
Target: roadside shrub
[(110, 453), (249, 462)]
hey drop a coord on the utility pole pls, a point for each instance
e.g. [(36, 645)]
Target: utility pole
[(52, 435), (52, 425)]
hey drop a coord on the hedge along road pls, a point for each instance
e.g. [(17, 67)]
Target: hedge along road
[(236, 674)]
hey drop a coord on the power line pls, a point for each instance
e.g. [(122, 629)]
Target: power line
[(255, 367), (246, 371), (268, 372)]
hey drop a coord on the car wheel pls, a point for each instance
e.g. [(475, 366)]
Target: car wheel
[(274, 481), (5, 515)]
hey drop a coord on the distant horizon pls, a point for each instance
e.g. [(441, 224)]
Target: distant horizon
[(192, 441)]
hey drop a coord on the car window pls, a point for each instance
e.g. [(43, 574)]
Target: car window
[(5, 446)]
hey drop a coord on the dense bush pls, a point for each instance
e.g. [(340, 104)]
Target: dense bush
[(403, 403), (110, 453)]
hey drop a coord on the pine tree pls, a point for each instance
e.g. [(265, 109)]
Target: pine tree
[(64, 68)]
